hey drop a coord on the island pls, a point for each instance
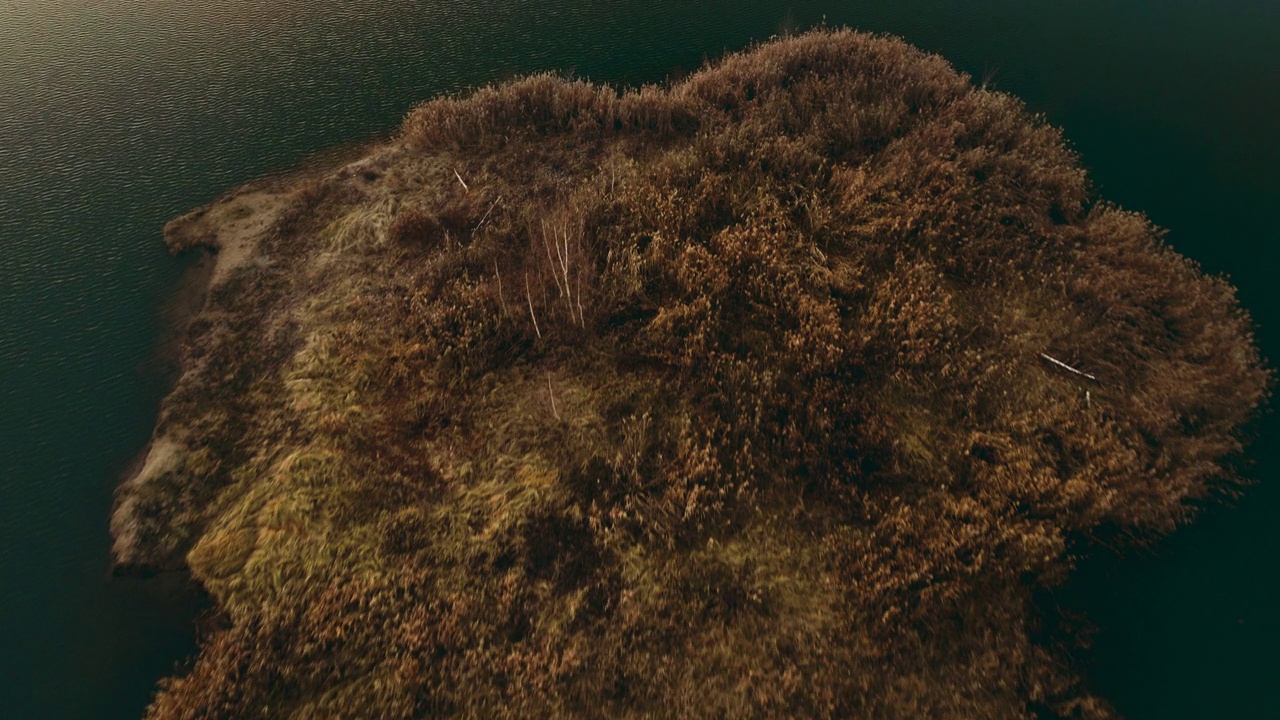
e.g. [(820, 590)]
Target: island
[(790, 389)]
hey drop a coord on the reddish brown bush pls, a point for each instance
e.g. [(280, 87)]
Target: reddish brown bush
[(724, 399)]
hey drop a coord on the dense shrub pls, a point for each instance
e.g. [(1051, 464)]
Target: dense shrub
[(724, 399)]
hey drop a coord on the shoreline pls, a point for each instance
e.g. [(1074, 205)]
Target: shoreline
[(215, 238)]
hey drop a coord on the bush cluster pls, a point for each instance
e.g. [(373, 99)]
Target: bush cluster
[(725, 399)]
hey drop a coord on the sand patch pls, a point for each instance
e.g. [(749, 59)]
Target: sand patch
[(163, 456), (232, 228)]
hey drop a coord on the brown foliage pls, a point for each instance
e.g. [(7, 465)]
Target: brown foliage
[(718, 400)]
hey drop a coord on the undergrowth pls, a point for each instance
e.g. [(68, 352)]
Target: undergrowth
[(722, 399)]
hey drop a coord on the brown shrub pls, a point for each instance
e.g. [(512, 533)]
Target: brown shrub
[(720, 399), (414, 227)]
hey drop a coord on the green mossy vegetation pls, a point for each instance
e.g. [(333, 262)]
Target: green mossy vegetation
[(718, 399)]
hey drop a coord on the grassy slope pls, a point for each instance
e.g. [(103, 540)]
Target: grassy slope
[(716, 400)]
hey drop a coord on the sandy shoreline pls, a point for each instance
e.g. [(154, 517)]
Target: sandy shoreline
[(229, 233)]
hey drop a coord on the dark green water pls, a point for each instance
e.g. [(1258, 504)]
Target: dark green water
[(116, 115)]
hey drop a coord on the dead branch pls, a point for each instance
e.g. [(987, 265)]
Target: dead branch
[(529, 296), (547, 247), (502, 298), (486, 212), (552, 394), (1068, 368)]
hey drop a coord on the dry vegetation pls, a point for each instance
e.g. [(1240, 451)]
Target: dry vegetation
[(724, 399)]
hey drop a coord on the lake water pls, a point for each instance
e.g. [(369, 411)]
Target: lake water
[(116, 115)]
